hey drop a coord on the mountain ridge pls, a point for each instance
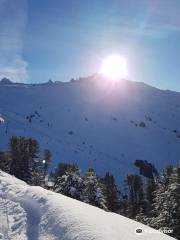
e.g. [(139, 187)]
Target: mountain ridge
[(6, 81)]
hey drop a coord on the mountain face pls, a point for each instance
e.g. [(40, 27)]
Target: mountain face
[(94, 122)]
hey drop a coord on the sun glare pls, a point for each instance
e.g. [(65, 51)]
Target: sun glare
[(114, 67)]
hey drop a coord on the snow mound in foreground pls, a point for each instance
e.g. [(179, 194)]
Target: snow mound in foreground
[(34, 213)]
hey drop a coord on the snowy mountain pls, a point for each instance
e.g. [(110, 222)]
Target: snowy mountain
[(5, 81), (94, 122), (34, 213)]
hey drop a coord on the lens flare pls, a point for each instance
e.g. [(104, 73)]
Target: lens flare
[(114, 67)]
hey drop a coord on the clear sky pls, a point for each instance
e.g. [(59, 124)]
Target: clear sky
[(64, 39)]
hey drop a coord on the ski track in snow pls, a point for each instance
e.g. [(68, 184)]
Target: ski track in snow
[(13, 219), (33, 213), (33, 218)]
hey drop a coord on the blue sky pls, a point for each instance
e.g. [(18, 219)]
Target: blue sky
[(64, 39)]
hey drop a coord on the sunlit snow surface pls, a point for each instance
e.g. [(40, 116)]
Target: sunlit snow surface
[(32, 213)]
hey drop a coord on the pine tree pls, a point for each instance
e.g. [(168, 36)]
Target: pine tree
[(5, 161), (111, 193), (135, 194), (70, 183), (150, 188), (167, 202), (24, 152), (93, 190), (149, 171), (47, 160), (61, 170), (145, 213), (38, 173)]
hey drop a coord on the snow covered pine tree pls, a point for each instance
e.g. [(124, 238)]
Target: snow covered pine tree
[(167, 202), (70, 183), (93, 190)]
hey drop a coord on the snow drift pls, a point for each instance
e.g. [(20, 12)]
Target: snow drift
[(33, 213)]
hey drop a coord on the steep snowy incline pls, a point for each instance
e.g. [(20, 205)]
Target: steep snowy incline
[(95, 123), (32, 213)]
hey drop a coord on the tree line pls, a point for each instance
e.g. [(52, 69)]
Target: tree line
[(25, 161), (148, 197)]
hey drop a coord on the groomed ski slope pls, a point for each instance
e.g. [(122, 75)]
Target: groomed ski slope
[(34, 213)]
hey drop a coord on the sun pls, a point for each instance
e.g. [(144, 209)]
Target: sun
[(114, 67)]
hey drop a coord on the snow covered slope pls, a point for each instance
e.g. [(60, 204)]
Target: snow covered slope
[(33, 213), (94, 122)]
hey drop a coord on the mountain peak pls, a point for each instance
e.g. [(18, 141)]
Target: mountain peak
[(5, 81)]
